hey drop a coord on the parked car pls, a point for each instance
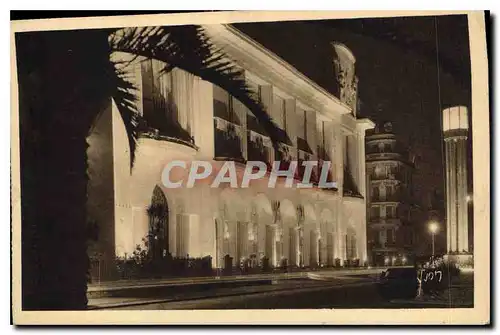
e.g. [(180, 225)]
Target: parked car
[(401, 283)]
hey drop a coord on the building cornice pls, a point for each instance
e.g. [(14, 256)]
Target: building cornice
[(269, 67), (349, 123), (380, 137), (365, 124), (389, 160)]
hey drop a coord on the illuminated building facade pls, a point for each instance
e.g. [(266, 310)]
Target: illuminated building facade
[(188, 119)]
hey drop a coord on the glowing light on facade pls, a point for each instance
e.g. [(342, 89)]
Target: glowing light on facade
[(455, 118)]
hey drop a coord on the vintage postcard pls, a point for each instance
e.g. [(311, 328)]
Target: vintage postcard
[(251, 168)]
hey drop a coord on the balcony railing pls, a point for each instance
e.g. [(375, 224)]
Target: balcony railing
[(384, 155), (383, 220), (386, 150), (223, 111), (228, 140), (386, 245), (258, 150), (397, 197), (160, 119), (167, 132), (390, 176), (254, 125)]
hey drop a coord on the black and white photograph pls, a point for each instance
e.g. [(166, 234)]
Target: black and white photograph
[(324, 162)]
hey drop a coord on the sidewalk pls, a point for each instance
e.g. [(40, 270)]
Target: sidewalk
[(215, 292)]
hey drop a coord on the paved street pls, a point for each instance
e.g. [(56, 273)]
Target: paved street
[(341, 292)]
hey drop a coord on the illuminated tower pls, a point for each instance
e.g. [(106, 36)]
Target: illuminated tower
[(455, 131)]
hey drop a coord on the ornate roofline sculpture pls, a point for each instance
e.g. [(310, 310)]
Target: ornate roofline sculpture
[(344, 64)]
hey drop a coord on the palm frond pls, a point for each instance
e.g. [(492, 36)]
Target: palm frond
[(190, 49), (124, 93)]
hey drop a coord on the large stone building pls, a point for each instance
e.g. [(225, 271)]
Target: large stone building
[(200, 121), (391, 213)]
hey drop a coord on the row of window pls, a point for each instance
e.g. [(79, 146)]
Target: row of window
[(230, 139), (387, 236), (281, 111), (381, 147), (391, 238), (385, 192), (388, 212), (168, 102), (167, 107)]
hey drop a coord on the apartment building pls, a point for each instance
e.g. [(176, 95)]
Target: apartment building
[(391, 211)]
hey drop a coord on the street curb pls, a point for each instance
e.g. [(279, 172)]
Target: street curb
[(209, 280), (159, 289)]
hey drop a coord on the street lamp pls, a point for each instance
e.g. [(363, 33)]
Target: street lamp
[(433, 228)]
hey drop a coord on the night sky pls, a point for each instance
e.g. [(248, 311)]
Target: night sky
[(396, 62)]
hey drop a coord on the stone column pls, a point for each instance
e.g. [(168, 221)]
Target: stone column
[(219, 243), (286, 240), (314, 247), (294, 246), (261, 236), (342, 244), (183, 231), (330, 252), (306, 251), (193, 238), (242, 241), (323, 244), (270, 239)]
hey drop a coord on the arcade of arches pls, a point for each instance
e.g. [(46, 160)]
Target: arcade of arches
[(247, 225)]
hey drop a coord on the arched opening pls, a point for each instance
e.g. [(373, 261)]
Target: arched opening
[(158, 225)]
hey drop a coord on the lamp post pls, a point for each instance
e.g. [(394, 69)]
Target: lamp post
[(455, 132), (433, 228)]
